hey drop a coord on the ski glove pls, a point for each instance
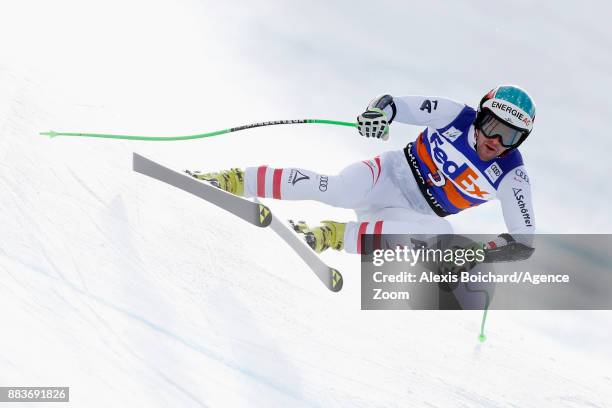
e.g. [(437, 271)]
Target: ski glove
[(373, 123)]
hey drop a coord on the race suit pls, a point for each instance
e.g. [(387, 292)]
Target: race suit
[(410, 191)]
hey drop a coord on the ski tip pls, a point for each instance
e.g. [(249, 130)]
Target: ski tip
[(265, 216), (137, 162), (336, 280)]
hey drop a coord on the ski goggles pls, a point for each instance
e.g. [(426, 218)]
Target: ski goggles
[(509, 136)]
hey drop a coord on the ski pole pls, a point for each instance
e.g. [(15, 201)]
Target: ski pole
[(482, 337), (52, 133)]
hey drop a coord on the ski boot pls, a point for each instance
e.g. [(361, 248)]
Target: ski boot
[(231, 180), (328, 235)]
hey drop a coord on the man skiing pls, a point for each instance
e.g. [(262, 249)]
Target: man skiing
[(463, 158)]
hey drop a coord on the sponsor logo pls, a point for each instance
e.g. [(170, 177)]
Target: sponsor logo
[(264, 215), (428, 105), (323, 180), (296, 176), (522, 206), (431, 200), (336, 278), (436, 179), (512, 111), (269, 123), (493, 172), (526, 121), (452, 134), (521, 175), (462, 174)]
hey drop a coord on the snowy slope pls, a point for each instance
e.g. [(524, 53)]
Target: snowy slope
[(134, 294)]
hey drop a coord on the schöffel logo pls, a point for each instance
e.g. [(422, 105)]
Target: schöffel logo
[(522, 206)]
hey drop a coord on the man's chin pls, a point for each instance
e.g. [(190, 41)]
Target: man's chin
[(487, 156)]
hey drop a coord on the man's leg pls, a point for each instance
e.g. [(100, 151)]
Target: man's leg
[(387, 221), (346, 189), (411, 223), (366, 186)]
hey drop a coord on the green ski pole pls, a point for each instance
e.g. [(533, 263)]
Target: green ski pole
[(52, 133)]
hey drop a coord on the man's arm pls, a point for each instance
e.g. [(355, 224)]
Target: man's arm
[(383, 110), (433, 111), (514, 193)]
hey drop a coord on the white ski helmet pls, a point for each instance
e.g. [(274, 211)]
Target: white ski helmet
[(508, 112)]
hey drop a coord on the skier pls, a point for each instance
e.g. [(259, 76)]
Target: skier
[(463, 158)]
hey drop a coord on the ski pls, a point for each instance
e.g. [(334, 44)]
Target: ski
[(254, 213), (330, 277)]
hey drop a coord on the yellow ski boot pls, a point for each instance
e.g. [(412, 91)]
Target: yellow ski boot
[(231, 180), (328, 235)]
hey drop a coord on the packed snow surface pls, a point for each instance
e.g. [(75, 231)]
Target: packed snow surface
[(136, 294)]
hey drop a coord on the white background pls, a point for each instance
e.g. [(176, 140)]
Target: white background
[(135, 294)]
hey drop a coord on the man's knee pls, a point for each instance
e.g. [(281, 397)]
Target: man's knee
[(341, 191)]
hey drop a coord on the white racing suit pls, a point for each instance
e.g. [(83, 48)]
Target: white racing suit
[(409, 191)]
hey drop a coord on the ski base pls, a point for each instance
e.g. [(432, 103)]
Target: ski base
[(254, 213)]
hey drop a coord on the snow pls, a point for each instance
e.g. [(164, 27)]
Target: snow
[(135, 294)]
